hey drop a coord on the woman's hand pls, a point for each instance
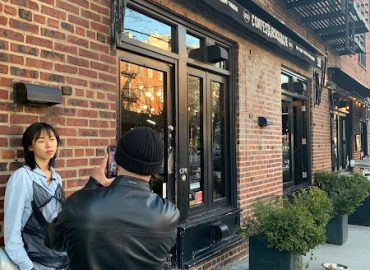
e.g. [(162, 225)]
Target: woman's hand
[(99, 173)]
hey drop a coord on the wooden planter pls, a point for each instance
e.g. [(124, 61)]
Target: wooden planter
[(262, 257), (337, 230), (362, 214)]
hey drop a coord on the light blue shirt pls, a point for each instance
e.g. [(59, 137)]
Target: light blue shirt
[(18, 209)]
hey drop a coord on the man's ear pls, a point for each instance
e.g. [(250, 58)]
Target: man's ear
[(30, 148)]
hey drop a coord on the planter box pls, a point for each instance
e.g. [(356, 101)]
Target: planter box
[(362, 214), (262, 257), (337, 230)]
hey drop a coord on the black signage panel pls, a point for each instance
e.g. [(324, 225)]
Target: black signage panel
[(263, 28)]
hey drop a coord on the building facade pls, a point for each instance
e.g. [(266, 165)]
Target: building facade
[(250, 97)]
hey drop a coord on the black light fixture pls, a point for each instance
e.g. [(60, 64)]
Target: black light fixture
[(264, 121), (216, 54), (36, 95)]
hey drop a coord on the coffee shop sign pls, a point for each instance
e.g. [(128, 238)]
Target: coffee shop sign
[(266, 28), (230, 4)]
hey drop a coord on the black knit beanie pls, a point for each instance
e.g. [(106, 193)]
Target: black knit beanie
[(140, 151)]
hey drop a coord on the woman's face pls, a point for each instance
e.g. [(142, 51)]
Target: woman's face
[(44, 147)]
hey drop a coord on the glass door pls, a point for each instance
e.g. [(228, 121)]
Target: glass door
[(294, 141), (145, 100), (206, 139)]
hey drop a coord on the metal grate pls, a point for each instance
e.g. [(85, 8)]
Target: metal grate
[(337, 22)]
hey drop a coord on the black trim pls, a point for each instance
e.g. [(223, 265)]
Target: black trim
[(255, 19), (345, 81)]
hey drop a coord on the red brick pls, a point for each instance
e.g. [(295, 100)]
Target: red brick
[(39, 41), (78, 21), (65, 48), (8, 154), (78, 41), (56, 13), (90, 15), (76, 81), (12, 35), (39, 19), (23, 26), (4, 69), (77, 122), (87, 73), (66, 68), (100, 27), (26, 3), (80, 31), (39, 64), (10, 10)]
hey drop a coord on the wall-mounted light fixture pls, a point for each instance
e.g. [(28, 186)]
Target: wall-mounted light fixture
[(36, 95), (216, 54), (264, 121)]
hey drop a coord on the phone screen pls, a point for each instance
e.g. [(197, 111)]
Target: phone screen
[(111, 164)]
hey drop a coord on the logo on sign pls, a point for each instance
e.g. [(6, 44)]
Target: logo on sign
[(246, 16)]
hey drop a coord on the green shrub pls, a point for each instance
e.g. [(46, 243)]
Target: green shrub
[(295, 225), (347, 192)]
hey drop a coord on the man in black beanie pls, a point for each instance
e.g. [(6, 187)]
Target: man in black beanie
[(119, 224)]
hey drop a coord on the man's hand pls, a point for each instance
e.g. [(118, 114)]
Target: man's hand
[(99, 173)]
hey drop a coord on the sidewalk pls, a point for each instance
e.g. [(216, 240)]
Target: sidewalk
[(355, 253)]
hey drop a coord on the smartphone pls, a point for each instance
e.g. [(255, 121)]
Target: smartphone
[(111, 170)]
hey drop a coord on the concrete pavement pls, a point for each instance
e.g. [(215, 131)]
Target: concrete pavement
[(355, 253)]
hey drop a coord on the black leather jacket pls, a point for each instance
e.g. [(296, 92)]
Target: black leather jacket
[(124, 226)]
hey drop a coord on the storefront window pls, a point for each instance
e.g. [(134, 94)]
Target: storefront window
[(340, 141), (142, 105), (217, 140), (185, 92), (147, 30), (195, 141), (193, 46), (294, 130)]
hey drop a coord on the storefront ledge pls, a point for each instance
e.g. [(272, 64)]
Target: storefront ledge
[(210, 216), (233, 241), (206, 235)]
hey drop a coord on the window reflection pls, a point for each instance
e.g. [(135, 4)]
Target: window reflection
[(217, 142), (147, 30), (193, 47), (196, 188), (142, 101), (284, 82), (286, 144)]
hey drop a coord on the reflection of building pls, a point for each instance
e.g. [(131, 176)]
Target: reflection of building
[(160, 41), (142, 89)]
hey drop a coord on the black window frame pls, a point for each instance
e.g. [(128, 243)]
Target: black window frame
[(292, 92), (181, 62), (362, 55)]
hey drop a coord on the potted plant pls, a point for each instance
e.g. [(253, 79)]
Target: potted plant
[(361, 215), (347, 192), (282, 230)]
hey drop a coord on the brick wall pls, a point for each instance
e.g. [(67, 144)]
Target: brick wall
[(350, 65), (58, 43), (233, 254), (320, 134), (65, 43)]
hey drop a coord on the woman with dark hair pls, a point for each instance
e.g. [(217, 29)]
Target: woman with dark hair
[(33, 198)]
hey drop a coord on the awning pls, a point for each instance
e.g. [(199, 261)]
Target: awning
[(348, 83), (255, 19)]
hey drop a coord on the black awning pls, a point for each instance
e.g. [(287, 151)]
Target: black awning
[(255, 19), (348, 83)]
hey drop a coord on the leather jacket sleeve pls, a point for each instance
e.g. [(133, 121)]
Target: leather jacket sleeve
[(92, 183), (56, 230)]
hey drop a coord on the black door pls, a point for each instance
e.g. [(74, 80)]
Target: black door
[(146, 100)]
